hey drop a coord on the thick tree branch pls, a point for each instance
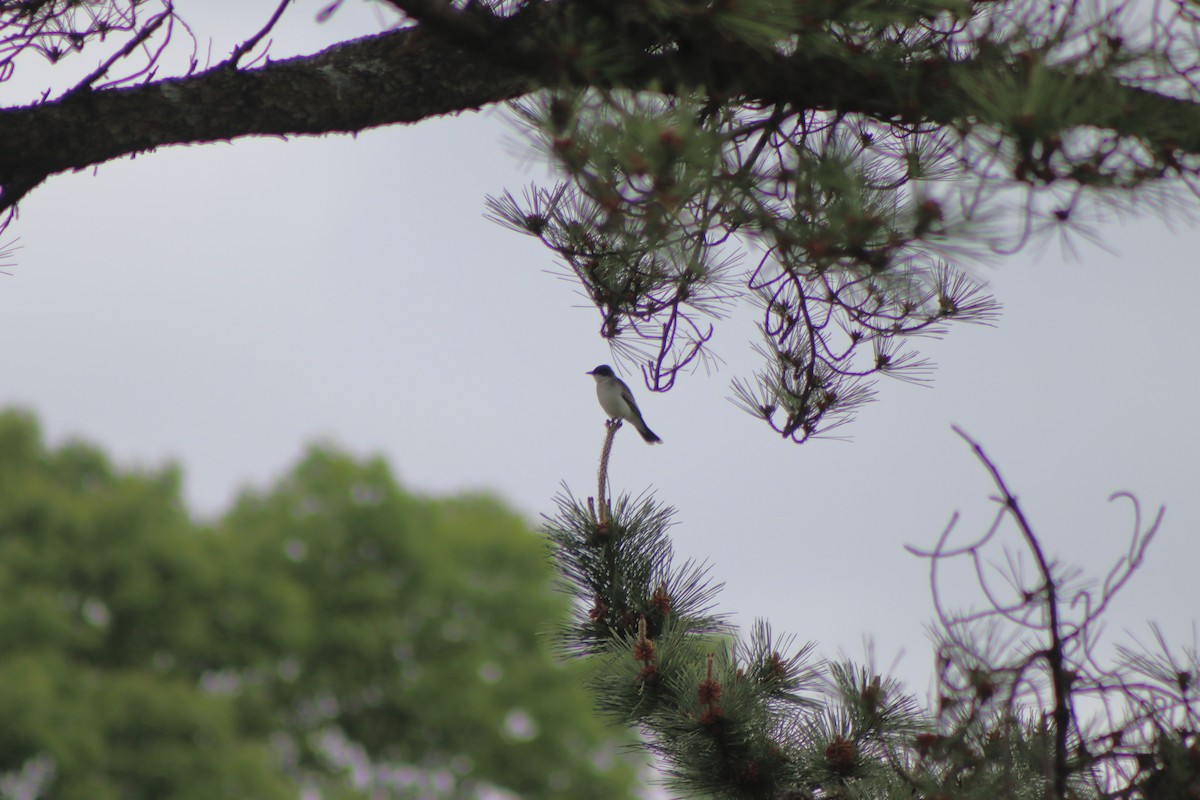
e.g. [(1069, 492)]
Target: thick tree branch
[(402, 76), (419, 72)]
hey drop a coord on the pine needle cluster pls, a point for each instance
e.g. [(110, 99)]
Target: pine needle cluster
[(842, 165), (1025, 707)]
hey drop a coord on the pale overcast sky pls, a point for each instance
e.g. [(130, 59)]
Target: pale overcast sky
[(222, 305)]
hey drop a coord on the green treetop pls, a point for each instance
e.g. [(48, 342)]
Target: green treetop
[(331, 632)]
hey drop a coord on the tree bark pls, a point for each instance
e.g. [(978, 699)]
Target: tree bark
[(438, 68), (395, 77)]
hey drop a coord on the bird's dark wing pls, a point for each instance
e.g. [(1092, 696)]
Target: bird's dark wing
[(627, 396)]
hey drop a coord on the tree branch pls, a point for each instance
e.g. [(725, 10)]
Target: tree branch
[(610, 431), (248, 45), (427, 70), (1055, 656), (401, 76)]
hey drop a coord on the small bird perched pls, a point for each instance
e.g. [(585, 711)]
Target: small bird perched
[(617, 401)]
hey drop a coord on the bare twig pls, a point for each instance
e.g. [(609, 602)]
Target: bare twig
[(1060, 679), (145, 33), (252, 42), (1140, 699)]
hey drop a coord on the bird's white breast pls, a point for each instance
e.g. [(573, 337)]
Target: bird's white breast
[(609, 394)]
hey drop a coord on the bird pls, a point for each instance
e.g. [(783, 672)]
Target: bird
[(617, 401)]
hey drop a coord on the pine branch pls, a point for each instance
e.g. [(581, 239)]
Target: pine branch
[(729, 718), (412, 74), (401, 76), (610, 431), (739, 719)]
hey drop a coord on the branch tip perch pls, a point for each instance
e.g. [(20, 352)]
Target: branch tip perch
[(611, 427)]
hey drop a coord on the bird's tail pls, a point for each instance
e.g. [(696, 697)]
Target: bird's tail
[(648, 435)]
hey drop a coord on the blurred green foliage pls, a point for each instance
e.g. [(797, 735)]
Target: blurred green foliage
[(332, 634)]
